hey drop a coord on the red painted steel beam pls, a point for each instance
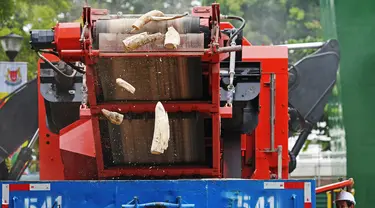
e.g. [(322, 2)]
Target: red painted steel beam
[(226, 112), (153, 54), (80, 53), (334, 186), (150, 107), (174, 171)]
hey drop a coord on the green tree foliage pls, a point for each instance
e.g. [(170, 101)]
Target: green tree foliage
[(19, 16), (275, 21), (133, 6)]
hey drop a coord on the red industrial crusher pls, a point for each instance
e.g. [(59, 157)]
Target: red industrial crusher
[(72, 145)]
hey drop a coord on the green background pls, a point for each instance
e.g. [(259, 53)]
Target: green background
[(354, 24)]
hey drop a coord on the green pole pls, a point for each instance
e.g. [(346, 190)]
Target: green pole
[(355, 28)]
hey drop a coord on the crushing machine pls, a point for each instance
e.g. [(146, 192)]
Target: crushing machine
[(229, 109)]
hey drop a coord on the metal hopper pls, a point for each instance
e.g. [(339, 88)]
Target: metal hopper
[(155, 79)]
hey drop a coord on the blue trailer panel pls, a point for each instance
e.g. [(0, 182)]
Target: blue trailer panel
[(160, 193)]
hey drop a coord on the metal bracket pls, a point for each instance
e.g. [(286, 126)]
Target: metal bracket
[(135, 204), (312, 80), (272, 110)]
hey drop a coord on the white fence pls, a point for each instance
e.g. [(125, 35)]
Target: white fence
[(322, 164)]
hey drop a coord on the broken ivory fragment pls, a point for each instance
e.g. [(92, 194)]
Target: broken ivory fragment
[(154, 15), (146, 18), (135, 41), (124, 84), (172, 38), (161, 131), (113, 117), (162, 18)]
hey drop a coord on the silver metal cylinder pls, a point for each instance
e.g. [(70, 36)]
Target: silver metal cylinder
[(188, 24), (279, 161), (312, 45), (272, 111), (33, 139)]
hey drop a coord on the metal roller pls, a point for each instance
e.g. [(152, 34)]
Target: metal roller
[(112, 42), (188, 24)]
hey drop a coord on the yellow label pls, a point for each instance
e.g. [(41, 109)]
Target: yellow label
[(3, 94)]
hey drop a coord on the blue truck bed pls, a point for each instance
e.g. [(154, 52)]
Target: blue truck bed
[(160, 193)]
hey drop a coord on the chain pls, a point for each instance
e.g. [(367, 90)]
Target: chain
[(231, 88), (230, 94), (84, 90)]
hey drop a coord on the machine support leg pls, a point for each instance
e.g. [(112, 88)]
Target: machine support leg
[(232, 155), (216, 141)]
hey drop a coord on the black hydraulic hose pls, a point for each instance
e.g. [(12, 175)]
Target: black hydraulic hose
[(302, 139), (238, 30), (77, 68), (48, 51), (55, 68), (298, 146)]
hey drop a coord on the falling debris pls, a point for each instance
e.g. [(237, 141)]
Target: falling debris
[(113, 117), (124, 84), (138, 40), (161, 131), (172, 38), (146, 18)]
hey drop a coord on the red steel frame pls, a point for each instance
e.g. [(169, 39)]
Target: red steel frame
[(214, 108), (273, 60), (70, 142), (50, 162)]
